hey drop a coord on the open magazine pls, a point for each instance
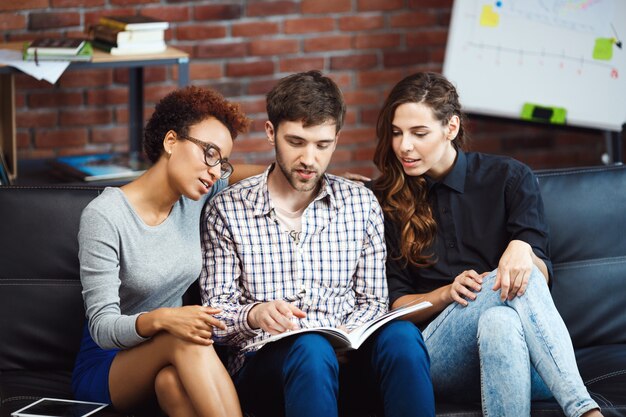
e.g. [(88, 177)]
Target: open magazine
[(342, 340)]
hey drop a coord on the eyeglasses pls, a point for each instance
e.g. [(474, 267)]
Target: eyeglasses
[(212, 156)]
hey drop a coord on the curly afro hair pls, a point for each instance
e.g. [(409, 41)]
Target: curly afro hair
[(183, 108)]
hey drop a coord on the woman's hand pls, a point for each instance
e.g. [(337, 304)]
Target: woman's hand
[(192, 323), (465, 286), (514, 270)]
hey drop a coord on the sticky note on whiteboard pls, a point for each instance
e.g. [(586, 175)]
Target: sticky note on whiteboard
[(489, 17), (545, 114), (603, 49)]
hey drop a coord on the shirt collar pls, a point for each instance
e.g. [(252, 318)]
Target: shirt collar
[(262, 202), (455, 178)]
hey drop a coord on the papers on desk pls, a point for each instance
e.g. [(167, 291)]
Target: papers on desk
[(50, 71)]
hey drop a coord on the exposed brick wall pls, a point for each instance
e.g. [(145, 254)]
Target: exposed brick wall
[(241, 48)]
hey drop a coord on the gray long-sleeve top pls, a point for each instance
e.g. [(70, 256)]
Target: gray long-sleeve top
[(128, 267)]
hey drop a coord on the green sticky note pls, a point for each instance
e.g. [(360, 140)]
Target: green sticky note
[(603, 49), (543, 114)]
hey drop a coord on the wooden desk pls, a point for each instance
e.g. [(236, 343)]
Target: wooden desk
[(100, 59)]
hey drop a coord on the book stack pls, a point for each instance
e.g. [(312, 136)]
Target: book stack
[(57, 49), (129, 35)]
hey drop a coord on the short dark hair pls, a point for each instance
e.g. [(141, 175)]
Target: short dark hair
[(308, 96), (183, 108)]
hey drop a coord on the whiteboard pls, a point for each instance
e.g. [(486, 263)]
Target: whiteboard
[(555, 54)]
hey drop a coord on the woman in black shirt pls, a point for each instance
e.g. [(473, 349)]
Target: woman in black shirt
[(466, 232)]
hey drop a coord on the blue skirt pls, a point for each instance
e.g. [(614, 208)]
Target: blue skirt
[(90, 379)]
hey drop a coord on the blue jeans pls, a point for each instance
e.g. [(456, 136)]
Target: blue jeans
[(301, 376), (506, 353)]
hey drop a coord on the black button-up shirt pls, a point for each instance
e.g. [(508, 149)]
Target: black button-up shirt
[(479, 207)]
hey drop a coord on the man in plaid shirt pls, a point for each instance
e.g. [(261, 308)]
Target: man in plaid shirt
[(296, 247)]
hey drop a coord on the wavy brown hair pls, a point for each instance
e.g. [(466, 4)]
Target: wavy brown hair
[(404, 198)]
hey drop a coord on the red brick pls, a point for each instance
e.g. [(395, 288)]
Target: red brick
[(400, 59), (253, 29), (309, 25), (169, 14), (150, 75), (365, 153), (200, 32), (270, 8), (86, 78), (342, 79), (301, 64), (85, 117), (23, 4), (379, 77), (421, 4), (362, 97), (39, 21), (217, 12), (369, 116), (30, 118), (60, 138), (382, 40), (227, 88), (273, 46), (245, 69), (261, 87), (253, 106), (77, 3), (413, 19), (354, 23), (26, 82), (20, 100), (107, 96), (116, 134), (55, 99), (130, 2), (9, 21), (328, 43), (22, 140), (325, 6), (154, 93), (377, 5), (203, 71), (221, 50), (353, 61), (259, 144), (357, 135), (427, 38), (437, 54), (350, 117)]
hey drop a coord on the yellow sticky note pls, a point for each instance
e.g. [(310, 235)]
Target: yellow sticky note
[(603, 49), (488, 17)]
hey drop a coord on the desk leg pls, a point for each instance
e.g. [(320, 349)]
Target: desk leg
[(7, 123), (135, 109), (617, 147), (183, 72)]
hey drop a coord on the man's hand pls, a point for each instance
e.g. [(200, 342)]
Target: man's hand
[(465, 286), (274, 316), (514, 270)]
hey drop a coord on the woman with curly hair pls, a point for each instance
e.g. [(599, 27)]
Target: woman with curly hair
[(466, 231), (139, 252)]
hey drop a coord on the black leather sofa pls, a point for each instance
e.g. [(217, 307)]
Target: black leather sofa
[(41, 309)]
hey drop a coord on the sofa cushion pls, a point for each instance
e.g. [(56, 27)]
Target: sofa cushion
[(584, 209)]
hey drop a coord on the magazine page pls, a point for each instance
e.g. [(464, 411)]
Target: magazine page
[(361, 333), (337, 337)]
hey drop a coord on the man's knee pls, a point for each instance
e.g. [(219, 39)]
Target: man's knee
[(401, 340), (313, 356)]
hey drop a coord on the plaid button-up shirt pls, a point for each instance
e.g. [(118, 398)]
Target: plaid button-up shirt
[(335, 274)]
